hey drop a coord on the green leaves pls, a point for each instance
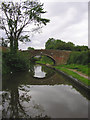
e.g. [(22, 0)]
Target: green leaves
[(24, 38), (16, 62), (34, 10), (17, 16), (44, 21), (77, 57), (61, 45)]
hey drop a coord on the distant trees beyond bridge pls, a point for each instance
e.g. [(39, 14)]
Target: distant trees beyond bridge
[(59, 56)]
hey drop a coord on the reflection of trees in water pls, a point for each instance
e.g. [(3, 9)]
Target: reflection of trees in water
[(16, 103), (49, 72), (32, 72), (14, 109)]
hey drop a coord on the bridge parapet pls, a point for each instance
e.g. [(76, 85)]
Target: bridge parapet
[(59, 56)]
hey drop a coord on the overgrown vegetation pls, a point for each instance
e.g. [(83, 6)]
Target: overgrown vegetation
[(15, 62), (77, 57)]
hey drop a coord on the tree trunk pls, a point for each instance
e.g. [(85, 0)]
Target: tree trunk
[(11, 44), (15, 45)]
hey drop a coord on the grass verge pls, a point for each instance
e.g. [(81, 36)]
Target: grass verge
[(78, 67), (75, 75)]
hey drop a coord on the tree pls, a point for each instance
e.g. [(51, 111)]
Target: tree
[(81, 48), (69, 46), (17, 16), (61, 45), (50, 43)]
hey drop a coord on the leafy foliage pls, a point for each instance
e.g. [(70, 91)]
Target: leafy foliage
[(77, 57), (17, 16), (15, 62), (61, 45)]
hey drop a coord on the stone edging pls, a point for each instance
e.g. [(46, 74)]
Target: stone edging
[(72, 78)]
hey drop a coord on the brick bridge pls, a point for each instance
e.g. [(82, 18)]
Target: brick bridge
[(58, 56)]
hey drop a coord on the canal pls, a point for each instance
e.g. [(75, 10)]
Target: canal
[(42, 92)]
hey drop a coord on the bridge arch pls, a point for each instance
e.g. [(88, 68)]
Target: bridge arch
[(39, 54), (58, 56)]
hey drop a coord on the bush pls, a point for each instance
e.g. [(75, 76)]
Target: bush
[(15, 62), (78, 58)]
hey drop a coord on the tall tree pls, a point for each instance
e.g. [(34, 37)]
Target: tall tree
[(17, 16)]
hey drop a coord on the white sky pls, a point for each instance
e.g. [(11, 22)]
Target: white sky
[(68, 22)]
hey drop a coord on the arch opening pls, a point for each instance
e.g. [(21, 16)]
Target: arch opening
[(43, 58)]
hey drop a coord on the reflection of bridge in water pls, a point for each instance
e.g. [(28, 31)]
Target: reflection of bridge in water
[(58, 56), (18, 87), (53, 79)]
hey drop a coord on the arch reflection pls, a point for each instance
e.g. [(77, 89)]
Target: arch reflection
[(25, 96), (42, 72)]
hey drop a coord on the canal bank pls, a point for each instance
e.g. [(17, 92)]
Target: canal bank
[(40, 92), (76, 81), (72, 79)]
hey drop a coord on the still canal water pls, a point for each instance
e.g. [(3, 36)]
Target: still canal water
[(42, 92)]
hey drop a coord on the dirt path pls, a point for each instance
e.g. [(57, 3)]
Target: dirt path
[(80, 73)]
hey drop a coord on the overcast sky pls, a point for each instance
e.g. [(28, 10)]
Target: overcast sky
[(68, 22)]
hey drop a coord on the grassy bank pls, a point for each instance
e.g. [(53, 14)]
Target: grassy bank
[(77, 61), (78, 67), (65, 69), (73, 74)]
